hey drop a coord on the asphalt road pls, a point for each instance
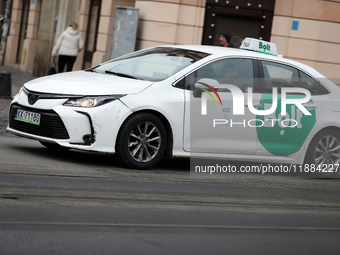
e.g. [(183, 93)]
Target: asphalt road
[(84, 203)]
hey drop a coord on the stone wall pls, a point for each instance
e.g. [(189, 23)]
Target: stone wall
[(316, 40)]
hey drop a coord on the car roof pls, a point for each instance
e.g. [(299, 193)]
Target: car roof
[(218, 51)]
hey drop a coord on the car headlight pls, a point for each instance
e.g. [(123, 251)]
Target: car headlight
[(91, 101), (21, 90)]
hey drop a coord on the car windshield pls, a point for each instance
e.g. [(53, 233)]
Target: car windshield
[(153, 64)]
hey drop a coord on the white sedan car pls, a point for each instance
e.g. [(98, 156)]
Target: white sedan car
[(187, 101)]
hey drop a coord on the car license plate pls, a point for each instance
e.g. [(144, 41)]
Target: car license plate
[(28, 117)]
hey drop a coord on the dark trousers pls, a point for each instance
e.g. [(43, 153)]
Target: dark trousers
[(63, 60)]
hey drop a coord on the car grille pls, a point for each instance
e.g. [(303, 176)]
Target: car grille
[(51, 125)]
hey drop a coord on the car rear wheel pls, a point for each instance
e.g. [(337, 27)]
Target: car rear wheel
[(54, 146), (324, 152), (141, 141)]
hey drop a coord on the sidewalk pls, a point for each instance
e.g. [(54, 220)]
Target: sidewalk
[(18, 79)]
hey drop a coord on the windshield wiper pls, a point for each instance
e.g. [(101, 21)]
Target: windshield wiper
[(121, 74), (91, 69)]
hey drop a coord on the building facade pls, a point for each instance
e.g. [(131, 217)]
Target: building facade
[(304, 30)]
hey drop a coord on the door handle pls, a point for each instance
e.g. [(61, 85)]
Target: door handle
[(255, 105), (310, 106)]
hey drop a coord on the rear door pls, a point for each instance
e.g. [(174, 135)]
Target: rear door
[(284, 135)]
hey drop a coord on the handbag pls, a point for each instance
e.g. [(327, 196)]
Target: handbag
[(52, 69)]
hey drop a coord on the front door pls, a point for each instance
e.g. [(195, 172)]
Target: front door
[(220, 130)]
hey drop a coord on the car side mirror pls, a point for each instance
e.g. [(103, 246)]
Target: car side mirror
[(202, 84)]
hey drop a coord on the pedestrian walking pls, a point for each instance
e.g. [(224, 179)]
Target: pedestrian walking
[(225, 40), (68, 46)]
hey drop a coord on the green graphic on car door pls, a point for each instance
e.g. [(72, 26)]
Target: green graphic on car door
[(283, 135)]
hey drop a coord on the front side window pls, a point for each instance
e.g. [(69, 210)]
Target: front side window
[(234, 71), (154, 64)]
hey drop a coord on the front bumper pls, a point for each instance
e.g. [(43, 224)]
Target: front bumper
[(92, 129)]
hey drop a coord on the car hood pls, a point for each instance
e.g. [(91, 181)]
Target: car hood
[(86, 83)]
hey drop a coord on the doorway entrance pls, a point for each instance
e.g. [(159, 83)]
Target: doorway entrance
[(242, 18), (92, 31), (23, 28)]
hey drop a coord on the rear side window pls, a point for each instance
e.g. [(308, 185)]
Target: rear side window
[(279, 75), (312, 85)]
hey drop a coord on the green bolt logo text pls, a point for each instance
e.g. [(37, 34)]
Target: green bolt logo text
[(264, 46)]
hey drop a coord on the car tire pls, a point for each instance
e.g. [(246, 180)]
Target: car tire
[(54, 146), (323, 151), (141, 141)]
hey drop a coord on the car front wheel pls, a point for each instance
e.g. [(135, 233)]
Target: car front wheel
[(141, 141)]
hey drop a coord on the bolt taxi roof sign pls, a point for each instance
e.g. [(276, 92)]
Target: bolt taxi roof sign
[(259, 46)]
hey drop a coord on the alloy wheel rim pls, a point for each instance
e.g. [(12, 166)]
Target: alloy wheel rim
[(327, 151), (144, 142)]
